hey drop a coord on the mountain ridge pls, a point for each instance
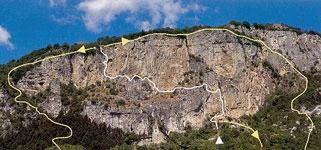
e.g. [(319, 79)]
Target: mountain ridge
[(196, 62)]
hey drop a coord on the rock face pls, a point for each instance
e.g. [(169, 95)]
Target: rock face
[(53, 104), (217, 58), (244, 72), (6, 110), (302, 49), (12, 116), (78, 69)]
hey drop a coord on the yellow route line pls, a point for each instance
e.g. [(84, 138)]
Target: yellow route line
[(270, 49), (167, 34), (245, 126), (34, 107)]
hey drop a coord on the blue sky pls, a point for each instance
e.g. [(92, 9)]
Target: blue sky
[(26, 25)]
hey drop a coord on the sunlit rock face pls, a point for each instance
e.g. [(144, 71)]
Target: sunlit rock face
[(243, 71)]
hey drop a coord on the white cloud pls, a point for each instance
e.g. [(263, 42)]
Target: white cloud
[(165, 13), (66, 20), (144, 25), (53, 3), (5, 38), (197, 7)]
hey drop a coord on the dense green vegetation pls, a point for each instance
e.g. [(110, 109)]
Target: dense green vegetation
[(270, 27), (39, 133), (312, 97), (86, 133)]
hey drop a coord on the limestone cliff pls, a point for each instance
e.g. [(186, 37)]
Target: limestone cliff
[(244, 72)]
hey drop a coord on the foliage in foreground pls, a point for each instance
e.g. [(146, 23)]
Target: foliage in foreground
[(88, 134)]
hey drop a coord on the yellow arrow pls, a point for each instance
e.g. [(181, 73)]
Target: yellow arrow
[(256, 134), (124, 41), (82, 49)]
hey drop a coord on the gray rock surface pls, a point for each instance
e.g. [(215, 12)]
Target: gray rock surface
[(217, 58)]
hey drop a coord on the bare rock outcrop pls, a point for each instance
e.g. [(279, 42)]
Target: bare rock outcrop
[(244, 71)]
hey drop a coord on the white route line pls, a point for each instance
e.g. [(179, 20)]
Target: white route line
[(206, 86), (166, 91)]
